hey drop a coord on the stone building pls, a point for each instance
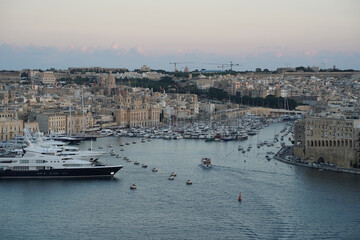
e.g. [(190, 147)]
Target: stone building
[(32, 126), (4, 97), (9, 128), (329, 140), (50, 122), (181, 106), (77, 123), (136, 110), (106, 84), (145, 68), (47, 78), (10, 76)]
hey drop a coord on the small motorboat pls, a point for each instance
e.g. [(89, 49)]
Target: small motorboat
[(171, 178), (188, 182), (173, 174), (206, 162), (154, 170), (144, 165), (136, 163), (133, 187)]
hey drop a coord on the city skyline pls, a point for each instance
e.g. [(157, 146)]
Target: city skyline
[(43, 34)]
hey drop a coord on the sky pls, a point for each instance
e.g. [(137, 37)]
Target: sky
[(196, 33)]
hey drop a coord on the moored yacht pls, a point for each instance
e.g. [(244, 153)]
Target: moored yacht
[(65, 150), (64, 138), (32, 165)]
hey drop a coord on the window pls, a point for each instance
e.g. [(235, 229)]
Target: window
[(76, 165), (20, 168)]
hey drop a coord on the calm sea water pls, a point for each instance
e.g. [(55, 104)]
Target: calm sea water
[(279, 201)]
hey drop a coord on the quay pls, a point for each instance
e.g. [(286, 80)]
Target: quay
[(285, 154)]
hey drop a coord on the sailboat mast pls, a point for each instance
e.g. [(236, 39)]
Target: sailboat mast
[(82, 107), (70, 122)]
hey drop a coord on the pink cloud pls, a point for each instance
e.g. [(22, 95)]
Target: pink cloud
[(310, 53), (87, 49), (115, 46), (140, 50)]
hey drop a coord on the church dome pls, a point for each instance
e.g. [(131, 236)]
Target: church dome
[(110, 80)]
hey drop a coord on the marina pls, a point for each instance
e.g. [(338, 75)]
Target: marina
[(127, 120), (277, 199)]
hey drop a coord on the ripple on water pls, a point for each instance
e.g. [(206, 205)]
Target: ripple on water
[(279, 201)]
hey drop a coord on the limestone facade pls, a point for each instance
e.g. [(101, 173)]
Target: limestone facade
[(50, 122), (135, 110), (106, 84), (333, 140), (78, 123), (9, 128)]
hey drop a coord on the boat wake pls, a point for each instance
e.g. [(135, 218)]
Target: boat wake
[(244, 170)]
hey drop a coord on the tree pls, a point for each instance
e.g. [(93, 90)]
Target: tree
[(216, 93)]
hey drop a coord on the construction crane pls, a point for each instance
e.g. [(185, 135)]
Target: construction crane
[(175, 63), (222, 65)]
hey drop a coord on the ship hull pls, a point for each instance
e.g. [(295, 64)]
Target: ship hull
[(92, 172)]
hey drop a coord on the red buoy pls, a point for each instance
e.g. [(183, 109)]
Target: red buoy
[(239, 196)]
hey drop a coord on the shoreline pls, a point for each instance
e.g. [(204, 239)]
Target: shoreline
[(283, 155)]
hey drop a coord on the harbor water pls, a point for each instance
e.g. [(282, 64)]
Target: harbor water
[(279, 201)]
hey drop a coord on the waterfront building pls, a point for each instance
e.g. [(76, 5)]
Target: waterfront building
[(32, 126), (50, 122), (136, 110), (9, 128), (104, 121), (332, 140), (77, 123)]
